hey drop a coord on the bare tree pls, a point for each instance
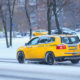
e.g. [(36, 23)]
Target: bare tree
[(56, 16), (49, 15), (28, 18), (53, 6), (3, 17), (11, 5)]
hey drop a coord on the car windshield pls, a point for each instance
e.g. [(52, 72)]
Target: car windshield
[(37, 30), (70, 40), (41, 31)]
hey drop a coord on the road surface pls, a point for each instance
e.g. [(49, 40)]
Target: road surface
[(10, 69)]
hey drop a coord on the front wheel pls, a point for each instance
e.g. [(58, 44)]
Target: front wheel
[(75, 61), (21, 57), (49, 58)]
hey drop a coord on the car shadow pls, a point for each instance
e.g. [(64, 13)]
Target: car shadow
[(66, 63), (56, 64), (8, 60)]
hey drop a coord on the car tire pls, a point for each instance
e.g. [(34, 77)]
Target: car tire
[(49, 58), (21, 57), (75, 61)]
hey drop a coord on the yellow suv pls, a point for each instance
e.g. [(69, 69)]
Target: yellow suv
[(40, 32), (51, 47)]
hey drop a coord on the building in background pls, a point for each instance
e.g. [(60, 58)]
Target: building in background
[(37, 10)]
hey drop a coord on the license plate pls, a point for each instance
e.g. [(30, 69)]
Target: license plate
[(72, 48)]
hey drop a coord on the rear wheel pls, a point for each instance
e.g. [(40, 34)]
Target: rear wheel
[(49, 58), (74, 61), (21, 57)]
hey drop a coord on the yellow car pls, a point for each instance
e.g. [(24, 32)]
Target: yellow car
[(40, 32), (50, 48)]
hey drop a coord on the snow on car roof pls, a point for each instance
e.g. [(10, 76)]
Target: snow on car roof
[(60, 35), (55, 35)]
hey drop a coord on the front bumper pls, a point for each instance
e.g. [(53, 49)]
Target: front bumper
[(67, 58)]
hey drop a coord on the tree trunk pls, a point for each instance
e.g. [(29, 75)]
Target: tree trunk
[(56, 17), (4, 24), (11, 11), (49, 16), (10, 32), (57, 23), (28, 18), (49, 21), (6, 37)]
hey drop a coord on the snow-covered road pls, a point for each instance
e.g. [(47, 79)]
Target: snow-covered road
[(10, 69)]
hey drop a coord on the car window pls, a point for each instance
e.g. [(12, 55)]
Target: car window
[(51, 39), (70, 40), (74, 39), (37, 30), (44, 40), (65, 40), (43, 31), (47, 40), (34, 41)]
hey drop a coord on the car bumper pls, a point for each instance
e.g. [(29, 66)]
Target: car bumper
[(67, 58), (74, 53)]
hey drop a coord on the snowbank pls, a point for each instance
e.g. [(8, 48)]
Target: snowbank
[(11, 52)]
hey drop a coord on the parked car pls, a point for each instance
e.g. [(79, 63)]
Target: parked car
[(49, 48), (2, 34), (40, 32), (77, 30), (64, 31), (18, 35)]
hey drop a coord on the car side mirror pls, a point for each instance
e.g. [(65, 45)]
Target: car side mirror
[(26, 44)]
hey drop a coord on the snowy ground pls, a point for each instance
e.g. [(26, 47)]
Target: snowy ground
[(11, 52), (10, 69), (14, 71)]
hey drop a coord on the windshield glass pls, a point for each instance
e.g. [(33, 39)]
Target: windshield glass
[(41, 31), (37, 30), (70, 40)]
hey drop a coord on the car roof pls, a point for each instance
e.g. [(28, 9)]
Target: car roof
[(55, 35)]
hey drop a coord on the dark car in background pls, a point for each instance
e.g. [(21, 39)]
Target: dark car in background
[(64, 31)]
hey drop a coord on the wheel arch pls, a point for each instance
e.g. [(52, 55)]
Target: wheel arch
[(50, 52)]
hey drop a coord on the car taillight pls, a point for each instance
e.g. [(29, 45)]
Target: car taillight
[(61, 46), (79, 45)]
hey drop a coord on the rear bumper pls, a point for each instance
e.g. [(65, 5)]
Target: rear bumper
[(73, 53), (67, 58)]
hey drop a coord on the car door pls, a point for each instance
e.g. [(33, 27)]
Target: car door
[(32, 48), (41, 48), (45, 44)]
